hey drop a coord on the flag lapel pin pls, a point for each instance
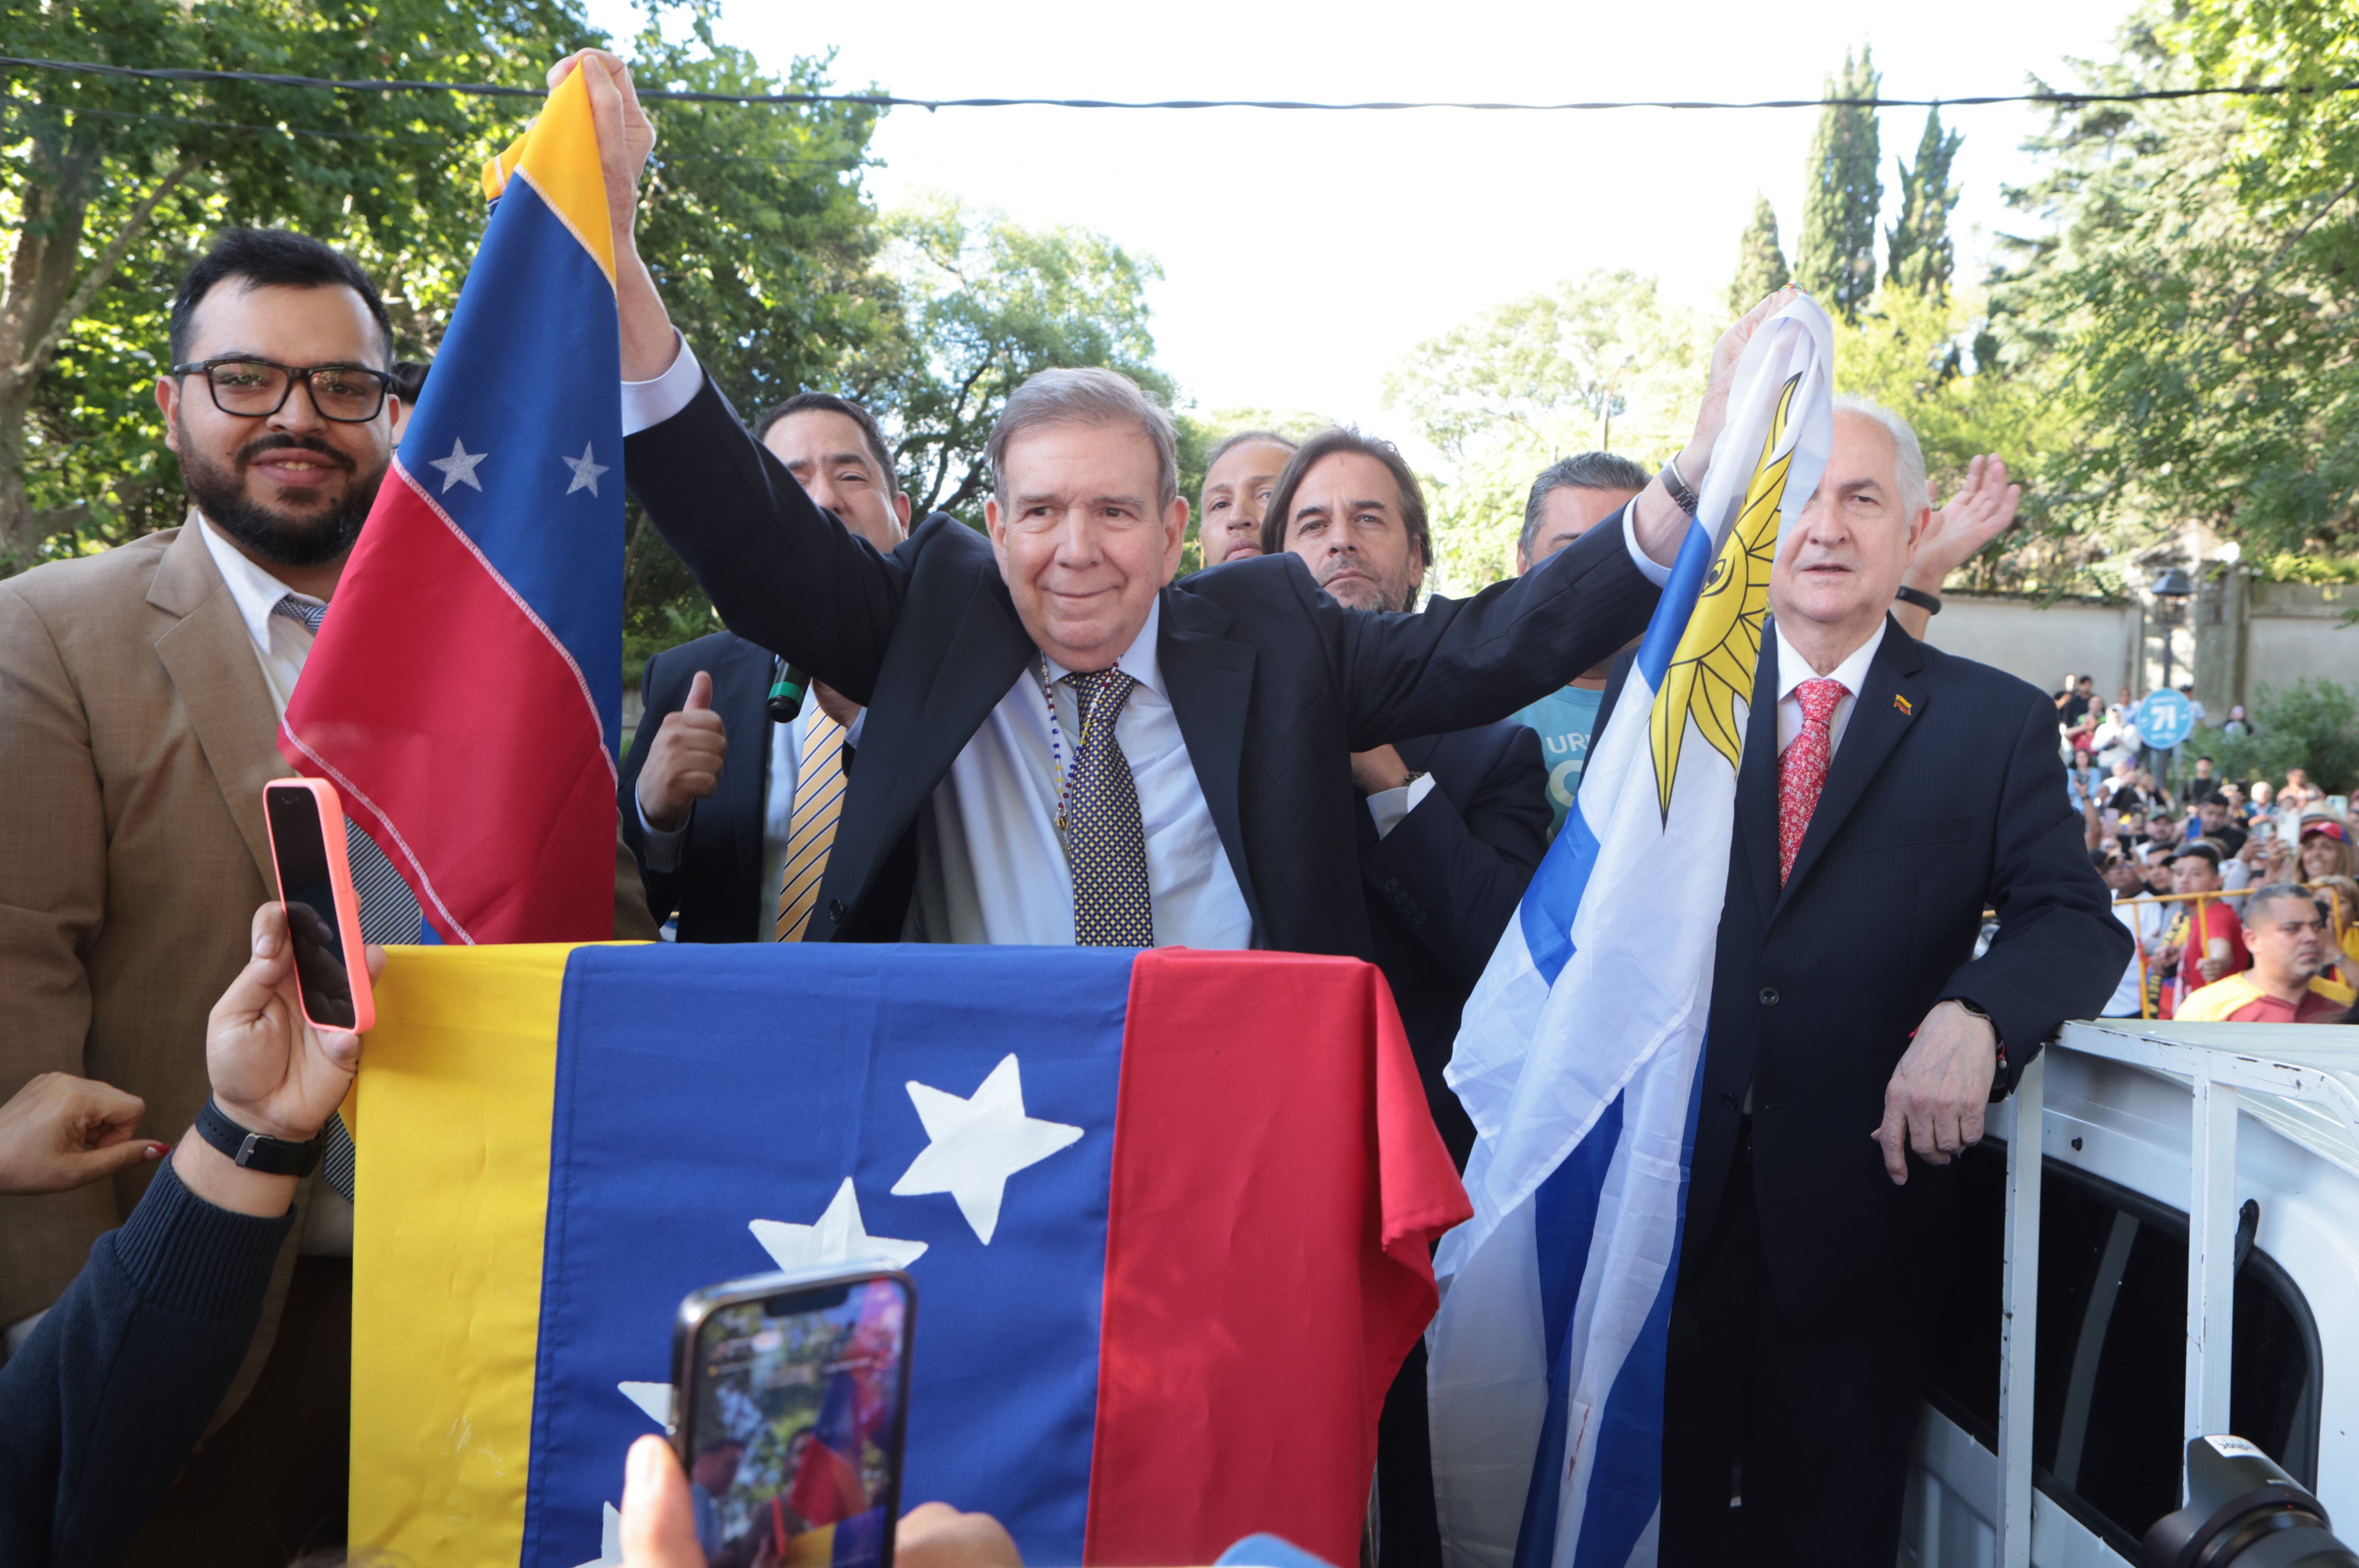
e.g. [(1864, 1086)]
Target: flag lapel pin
[(1901, 705)]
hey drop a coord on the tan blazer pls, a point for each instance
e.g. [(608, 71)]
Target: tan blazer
[(135, 736)]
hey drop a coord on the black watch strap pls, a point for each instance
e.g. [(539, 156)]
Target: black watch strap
[(254, 1151), (1929, 603)]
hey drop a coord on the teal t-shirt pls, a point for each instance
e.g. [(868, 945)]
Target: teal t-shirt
[(1563, 718)]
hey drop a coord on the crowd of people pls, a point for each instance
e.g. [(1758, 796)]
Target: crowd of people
[(1035, 731), (2204, 869)]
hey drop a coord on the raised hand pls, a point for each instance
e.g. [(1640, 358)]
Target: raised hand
[(1977, 514), (626, 135)]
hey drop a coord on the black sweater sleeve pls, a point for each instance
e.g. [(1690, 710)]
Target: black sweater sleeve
[(101, 1406)]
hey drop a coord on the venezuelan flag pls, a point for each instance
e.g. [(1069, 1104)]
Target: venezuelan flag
[(1167, 1213), (465, 693)]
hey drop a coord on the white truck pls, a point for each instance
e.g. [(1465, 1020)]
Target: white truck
[(2059, 1440)]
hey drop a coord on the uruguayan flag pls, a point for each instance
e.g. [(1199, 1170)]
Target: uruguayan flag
[(1579, 1053)]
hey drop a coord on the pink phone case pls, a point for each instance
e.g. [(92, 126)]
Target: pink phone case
[(340, 882)]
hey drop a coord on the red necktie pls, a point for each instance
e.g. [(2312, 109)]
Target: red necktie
[(1802, 769)]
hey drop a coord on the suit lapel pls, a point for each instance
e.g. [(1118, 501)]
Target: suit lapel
[(209, 656), (980, 660), (742, 691), (1891, 699), (1757, 783), (1211, 681)]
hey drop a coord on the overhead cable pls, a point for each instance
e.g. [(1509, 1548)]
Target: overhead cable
[(896, 100)]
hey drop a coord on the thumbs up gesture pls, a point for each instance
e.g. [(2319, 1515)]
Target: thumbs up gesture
[(684, 764)]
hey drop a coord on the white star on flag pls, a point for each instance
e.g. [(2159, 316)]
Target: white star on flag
[(839, 1236), (978, 1144), (655, 1398), (610, 1544), (459, 468), (585, 471)]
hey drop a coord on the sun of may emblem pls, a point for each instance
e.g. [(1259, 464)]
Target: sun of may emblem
[(1713, 671)]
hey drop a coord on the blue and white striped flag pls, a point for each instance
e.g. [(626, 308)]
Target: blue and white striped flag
[(1579, 1054)]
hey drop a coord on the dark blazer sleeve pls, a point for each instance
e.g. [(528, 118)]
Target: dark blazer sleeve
[(782, 569), (1457, 865), (101, 1408), (2060, 952), (1464, 662), (658, 695)]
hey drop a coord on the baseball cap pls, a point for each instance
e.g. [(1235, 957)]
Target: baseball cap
[(2325, 825)]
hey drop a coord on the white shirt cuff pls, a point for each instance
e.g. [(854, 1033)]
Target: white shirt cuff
[(1648, 567), (661, 848), (650, 403), (1389, 806)]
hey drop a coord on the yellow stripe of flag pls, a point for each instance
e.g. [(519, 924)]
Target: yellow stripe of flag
[(559, 153), (464, 1061)]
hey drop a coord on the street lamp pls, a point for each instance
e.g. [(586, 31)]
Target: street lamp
[(2171, 589)]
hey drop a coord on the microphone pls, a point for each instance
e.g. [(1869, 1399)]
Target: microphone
[(787, 685)]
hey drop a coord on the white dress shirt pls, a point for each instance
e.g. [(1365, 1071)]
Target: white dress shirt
[(991, 864), (782, 769), (1793, 669), (281, 644)]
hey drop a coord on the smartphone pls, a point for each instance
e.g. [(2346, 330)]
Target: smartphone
[(324, 913), (790, 1393)]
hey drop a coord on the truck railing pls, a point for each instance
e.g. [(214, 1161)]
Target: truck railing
[(2219, 1078)]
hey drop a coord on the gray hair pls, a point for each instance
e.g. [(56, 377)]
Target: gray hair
[(1908, 456), (1089, 396), (1584, 471), (2272, 893), (1244, 438)]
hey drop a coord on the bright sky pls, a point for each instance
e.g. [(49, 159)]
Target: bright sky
[(1304, 253)]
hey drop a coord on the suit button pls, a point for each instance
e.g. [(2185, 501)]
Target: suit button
[(835, 911), (1768, 996), (1728, 1102)]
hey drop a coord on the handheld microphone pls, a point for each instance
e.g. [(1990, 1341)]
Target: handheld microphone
[(787, 685)]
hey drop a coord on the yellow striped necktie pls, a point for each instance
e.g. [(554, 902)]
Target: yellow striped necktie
[(818, 800)]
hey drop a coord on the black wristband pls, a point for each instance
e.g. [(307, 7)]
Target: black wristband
[(255, 1150), (1929, 603)]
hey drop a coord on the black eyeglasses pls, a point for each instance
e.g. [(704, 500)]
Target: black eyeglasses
[(257, 388)]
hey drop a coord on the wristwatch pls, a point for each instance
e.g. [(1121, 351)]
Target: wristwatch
[(1682, 492), (255, 1150), (1929, 603)]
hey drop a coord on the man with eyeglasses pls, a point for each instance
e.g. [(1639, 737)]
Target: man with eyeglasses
[(140, 693)]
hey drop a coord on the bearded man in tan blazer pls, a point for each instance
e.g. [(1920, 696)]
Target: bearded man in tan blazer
[(140, 692)]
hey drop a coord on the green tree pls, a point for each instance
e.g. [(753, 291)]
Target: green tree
[(1761, 268), (1920, 257), (1596, 362), (2196, 301), (110, 183), (985, 303), (1836, 261)]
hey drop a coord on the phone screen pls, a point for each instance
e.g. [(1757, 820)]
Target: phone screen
[(794, 1455), (310, 898)]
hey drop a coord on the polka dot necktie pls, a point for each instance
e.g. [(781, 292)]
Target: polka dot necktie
[(1802, 771), (1103, 841), (388, 913)]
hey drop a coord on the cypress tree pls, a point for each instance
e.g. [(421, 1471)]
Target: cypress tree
[(1760, 264), (1837, 259), (1921, 256)]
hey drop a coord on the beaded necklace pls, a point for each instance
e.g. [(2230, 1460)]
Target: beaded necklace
[(1057, 741)]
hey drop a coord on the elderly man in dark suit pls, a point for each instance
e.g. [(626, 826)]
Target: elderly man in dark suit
[(1888, 795), (1062, 746)]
